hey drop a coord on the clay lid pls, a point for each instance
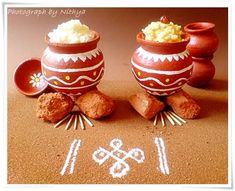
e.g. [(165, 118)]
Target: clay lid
[(28, 78), (72, 48), (163, 47)]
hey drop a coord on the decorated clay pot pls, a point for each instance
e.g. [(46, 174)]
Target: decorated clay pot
[(203, 71), (161, 68), (73, 68), (203, 39)]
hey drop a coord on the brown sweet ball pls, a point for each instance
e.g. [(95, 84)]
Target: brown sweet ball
[(164, 19), (53, 106), (183, 105), (146, 105), (95, 104)]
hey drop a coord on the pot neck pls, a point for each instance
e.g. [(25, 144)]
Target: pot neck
[(199, 27)]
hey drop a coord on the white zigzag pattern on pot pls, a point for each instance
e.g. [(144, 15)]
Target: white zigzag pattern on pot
[(79, 78), (75, 94), (66, 57), (161, 71), (149, 56), (157, 80), (73, 88), (160, 94), (72, 69), (159, 90)]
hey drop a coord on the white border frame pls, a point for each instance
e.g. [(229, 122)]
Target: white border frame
[(112, 3)]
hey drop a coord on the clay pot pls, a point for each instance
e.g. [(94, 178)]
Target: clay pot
[(73, 68), (203, 40), (161, 68), (203, 71), (28, 78)]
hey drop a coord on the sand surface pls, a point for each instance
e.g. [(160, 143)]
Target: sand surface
[(196, 152)]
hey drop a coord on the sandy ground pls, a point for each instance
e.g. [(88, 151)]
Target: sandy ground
[(196, 152)]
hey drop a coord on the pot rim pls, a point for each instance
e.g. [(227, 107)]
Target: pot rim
[(64, 45), (197, 27)]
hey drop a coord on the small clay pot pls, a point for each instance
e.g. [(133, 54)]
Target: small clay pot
[(203, 40), (28, 77), (161, 68), (73, 68), (203, 72)]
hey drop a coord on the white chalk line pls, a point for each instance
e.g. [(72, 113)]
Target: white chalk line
[(74, 157), (71, 152), (162, 156)]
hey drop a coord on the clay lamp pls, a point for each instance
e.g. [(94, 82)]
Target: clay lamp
[(28, 78)]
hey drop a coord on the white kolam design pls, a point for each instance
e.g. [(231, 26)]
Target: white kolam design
[(74, 57), (163, 164), (120, 168), (71, 157), (155, 57)]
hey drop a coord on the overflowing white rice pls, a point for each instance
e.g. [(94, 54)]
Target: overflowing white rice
[(163, 32), (72, 31)]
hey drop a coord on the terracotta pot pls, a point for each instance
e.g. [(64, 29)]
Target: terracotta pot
[(203, 71), (203, 40), (73, 68), (28, 78), (161, 68)]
